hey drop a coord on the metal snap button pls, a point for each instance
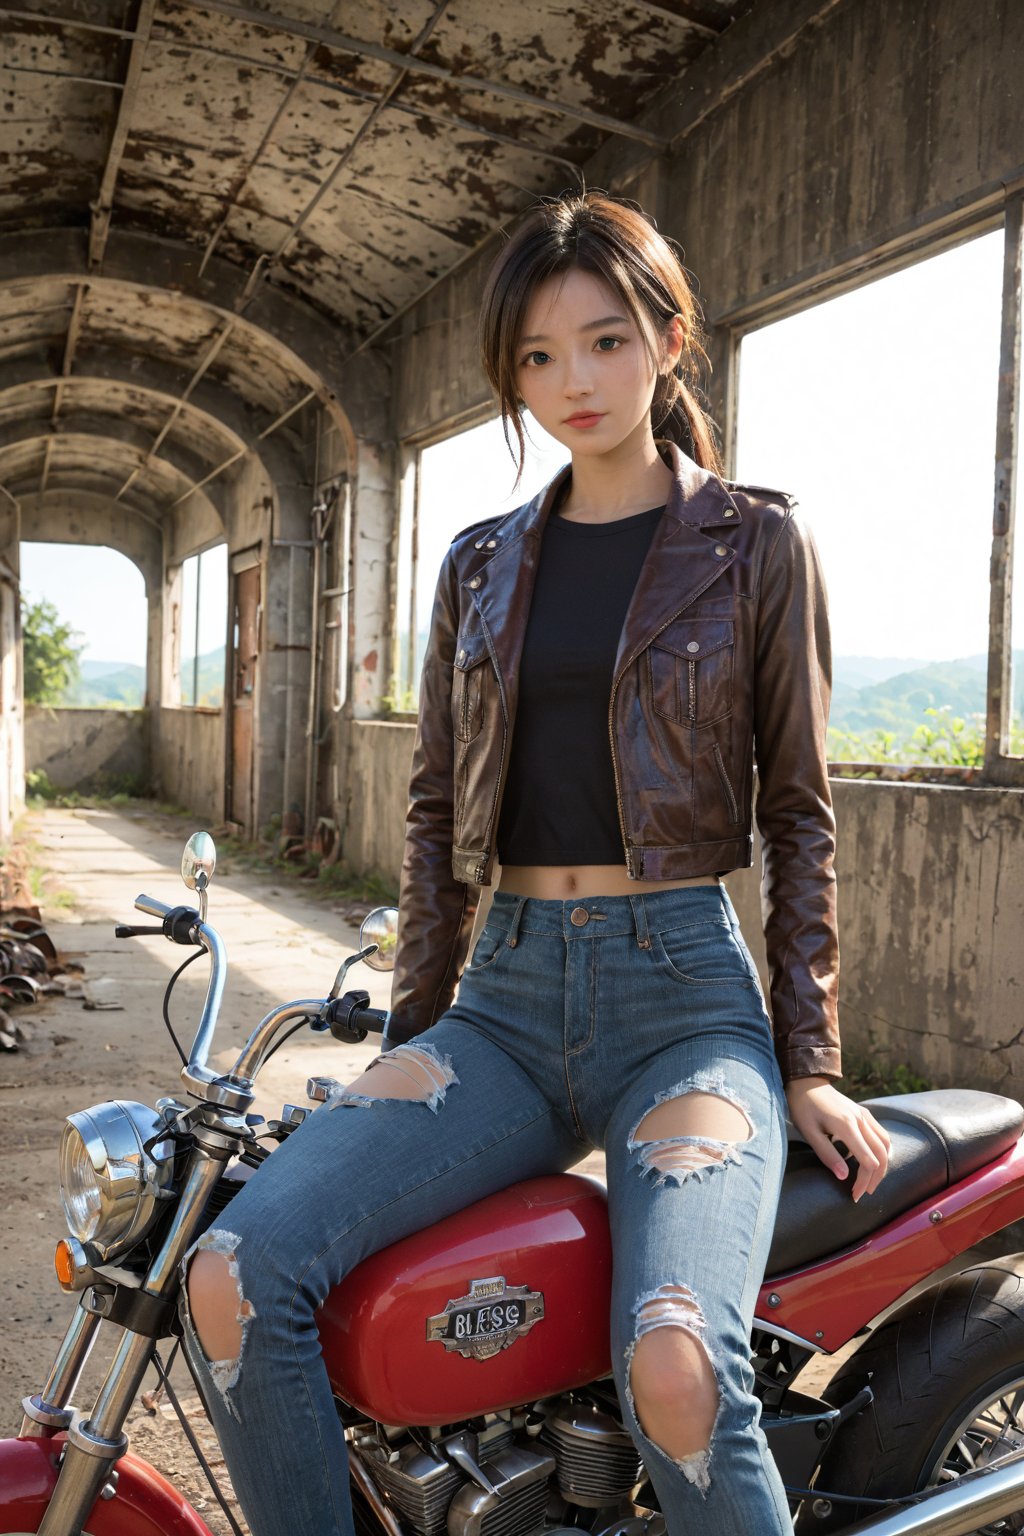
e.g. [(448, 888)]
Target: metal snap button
[(578, 916), (693, 645), (491, 544), (462, 656), (475, 582), (729, 512), (720, 549)]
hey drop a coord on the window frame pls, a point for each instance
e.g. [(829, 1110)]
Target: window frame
[(177, 678), (1005, 211)]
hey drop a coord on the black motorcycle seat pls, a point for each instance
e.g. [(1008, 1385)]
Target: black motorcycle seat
[(938, 1138)]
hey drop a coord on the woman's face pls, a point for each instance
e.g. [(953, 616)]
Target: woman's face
[(582, 365)]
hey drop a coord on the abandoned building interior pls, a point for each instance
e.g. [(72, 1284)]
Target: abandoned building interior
[(241, 247)]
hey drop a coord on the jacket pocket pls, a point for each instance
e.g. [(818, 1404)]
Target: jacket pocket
[(691, 665), (471, 658)]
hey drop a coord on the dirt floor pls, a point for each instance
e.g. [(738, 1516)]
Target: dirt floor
[(281, 943)]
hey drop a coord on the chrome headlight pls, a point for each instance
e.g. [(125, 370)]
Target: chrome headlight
[(116, 1161)]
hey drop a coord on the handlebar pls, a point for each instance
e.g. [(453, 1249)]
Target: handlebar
[(182, 926), (349, 1018)]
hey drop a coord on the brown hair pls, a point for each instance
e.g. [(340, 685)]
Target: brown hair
[(617, 242)]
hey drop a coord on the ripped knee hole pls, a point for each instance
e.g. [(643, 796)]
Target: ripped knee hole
[(715, 1121), (417, 1073), (675, 1306)]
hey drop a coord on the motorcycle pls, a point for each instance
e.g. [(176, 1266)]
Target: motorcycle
[(470, 1361)]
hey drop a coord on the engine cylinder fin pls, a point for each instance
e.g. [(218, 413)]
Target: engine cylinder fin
[(596, 1459)]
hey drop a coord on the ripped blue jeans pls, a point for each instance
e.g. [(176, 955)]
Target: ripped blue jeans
[(574, 1020)]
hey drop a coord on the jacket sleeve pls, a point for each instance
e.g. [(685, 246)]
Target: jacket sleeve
[(792, 693), (436, 911)]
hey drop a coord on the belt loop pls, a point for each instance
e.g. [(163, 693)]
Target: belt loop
[(512, 938), (640, 919)]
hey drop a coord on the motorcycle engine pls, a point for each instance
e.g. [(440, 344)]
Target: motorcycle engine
[(518, 1475)]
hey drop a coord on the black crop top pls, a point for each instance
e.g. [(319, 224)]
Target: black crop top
[(559, 804)]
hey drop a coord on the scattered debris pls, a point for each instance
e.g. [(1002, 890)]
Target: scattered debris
[(30, 967)]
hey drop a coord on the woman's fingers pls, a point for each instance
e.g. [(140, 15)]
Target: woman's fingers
[(820, 1142), (865, 1139)]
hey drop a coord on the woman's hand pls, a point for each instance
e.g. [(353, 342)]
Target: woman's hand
[(822, 1115)]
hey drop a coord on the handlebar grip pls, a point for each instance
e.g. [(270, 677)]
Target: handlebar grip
[(350, 1019), (153, 907)]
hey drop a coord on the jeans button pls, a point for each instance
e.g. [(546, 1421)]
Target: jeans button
[(578, 916)]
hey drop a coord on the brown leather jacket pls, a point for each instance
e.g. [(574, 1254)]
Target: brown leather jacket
[(724, 652)]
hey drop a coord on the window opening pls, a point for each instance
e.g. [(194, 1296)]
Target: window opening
[(101, 595), (877, 411), (204, 597), (448, 486)]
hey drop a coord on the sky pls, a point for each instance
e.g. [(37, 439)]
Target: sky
[(876, 410)]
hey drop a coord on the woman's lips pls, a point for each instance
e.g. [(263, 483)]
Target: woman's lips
[(585, 419)]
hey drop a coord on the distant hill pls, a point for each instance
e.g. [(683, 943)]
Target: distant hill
[(210, 680), (898, 701), (122, 684), (106, 683)]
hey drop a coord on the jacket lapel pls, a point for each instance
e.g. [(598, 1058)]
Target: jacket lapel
[(506, 581), (681, 562), (682, 559)]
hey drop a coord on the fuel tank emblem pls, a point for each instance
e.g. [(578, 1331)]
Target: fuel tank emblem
[(488, 1320)]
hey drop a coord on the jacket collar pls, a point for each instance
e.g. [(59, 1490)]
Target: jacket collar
[(697, 496), (681, 562)]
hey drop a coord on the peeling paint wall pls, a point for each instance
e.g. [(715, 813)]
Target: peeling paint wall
[(188, 761), (12, 738), (92, 750), (930, 897), (377, 782), (931, 891)]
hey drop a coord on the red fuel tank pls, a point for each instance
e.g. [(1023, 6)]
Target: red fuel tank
[(502, 1303)]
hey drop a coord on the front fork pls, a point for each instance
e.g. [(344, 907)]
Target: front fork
[(93, 1445)]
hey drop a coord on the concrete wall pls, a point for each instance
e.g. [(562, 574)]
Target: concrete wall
[(89, 749), (930, 896), (12, 738), (377, 785), (188, 768)]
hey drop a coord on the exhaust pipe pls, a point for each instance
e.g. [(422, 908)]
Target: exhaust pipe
[(956, 1508)]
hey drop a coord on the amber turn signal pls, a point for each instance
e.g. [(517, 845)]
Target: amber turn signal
[(64, 1264)]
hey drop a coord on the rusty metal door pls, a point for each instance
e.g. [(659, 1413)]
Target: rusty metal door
[(246, 632)]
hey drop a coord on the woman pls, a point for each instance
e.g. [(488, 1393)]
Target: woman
[(644, 627)]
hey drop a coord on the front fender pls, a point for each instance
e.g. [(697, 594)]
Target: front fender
[(145, 1504)]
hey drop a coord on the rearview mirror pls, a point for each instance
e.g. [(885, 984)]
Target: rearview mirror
[(198, 863), (380, 927)]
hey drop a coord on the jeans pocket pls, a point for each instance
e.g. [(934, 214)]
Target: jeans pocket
[(704, 954), (488, 947)]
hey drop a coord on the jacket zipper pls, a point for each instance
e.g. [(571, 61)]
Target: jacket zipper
[(734, 812), (630, 852)]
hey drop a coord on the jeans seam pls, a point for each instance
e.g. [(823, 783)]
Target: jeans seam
[(378, 1210), (577, 1049)]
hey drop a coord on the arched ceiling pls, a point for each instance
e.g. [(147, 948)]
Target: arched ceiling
[(207, 208)]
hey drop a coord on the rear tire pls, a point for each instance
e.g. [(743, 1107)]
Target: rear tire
[(947, 1373)]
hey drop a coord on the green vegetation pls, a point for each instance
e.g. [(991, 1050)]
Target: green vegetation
[(333, 881), (50, 653), (108, 789), (867, 1075), (945, 739)]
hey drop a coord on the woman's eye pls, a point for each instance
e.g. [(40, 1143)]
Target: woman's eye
[(609, 343), (536, 359)]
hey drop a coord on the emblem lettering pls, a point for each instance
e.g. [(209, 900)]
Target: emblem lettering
[(487, 1320)]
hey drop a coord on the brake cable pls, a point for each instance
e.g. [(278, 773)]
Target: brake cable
[(167, 998)]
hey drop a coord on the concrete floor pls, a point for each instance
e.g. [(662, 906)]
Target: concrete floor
[(281, 943)]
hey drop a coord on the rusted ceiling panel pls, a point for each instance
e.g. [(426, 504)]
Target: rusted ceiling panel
[(252, 372), (141, 319), (594, 53), (312, 149)]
